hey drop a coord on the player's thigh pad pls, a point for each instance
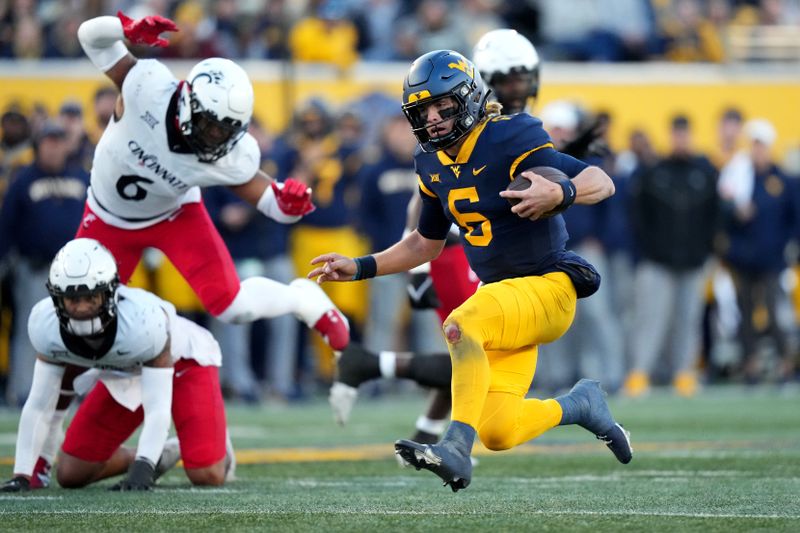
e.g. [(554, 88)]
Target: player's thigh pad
[(100, 426), (198, 413), (518, 312), (194, 246), (125, 245), (512, 370)]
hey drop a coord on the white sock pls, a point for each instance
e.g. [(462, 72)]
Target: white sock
[(260, 297), (428, 425), (388, 364), (54, 437)]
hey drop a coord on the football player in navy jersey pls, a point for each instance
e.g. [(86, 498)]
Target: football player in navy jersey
[(468, 154), (509, 64)]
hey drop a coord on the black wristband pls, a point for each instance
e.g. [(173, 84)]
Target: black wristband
[(366, 267), (570, 193)]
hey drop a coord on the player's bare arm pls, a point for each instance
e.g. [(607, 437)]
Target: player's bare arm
[(102, 40), (252, 191), (592, 185), (285, 202), (413, 211), (413, 250)]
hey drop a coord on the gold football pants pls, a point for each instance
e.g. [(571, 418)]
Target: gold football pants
[(494, 353)]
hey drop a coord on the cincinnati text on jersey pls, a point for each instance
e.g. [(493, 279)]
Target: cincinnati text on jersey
[(151, 161)]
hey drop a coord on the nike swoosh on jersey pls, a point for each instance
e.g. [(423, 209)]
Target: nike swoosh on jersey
[(476, 171)]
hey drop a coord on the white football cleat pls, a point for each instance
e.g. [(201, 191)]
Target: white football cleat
[(170, 456), (325, 318), (342, 399)]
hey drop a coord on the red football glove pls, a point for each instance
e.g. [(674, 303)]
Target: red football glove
[(147, 29), (294, 198)]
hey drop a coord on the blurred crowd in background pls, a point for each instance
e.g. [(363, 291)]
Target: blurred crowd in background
[(695, 249), (687, 253), (344, 31)]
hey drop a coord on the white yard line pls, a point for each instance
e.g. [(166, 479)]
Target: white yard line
[(22, 497), (377, 512)]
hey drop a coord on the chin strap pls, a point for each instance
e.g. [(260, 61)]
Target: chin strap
[(183, 118)]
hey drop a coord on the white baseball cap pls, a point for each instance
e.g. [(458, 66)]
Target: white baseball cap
[(760, 130), (560, 114)]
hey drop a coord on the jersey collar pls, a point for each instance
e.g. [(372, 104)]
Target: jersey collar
[(175, 140), (466, 149)]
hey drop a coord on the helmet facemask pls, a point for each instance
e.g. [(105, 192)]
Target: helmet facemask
[(86, 327), (84, 268), (209, 136), (463, 120), (215, 106), (515, 89)]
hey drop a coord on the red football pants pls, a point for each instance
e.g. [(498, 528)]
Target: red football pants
[(101, 425), (453, 279), (190, 241)]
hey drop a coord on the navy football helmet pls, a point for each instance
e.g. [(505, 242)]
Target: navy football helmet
[(441, 74)]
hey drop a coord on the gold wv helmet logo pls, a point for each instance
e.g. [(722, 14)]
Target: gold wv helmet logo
[(464, 67), (413, 97)]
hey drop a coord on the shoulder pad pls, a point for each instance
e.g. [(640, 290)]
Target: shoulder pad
[(518, 133), (41, 320), (241, 163)]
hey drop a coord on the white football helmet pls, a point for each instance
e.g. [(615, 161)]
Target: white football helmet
[(84, 267), (501, 53), (214, 107)]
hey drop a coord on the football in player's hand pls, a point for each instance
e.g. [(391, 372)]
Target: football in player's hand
[(521, 183)]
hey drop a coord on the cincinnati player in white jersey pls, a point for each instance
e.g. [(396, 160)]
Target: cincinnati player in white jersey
[(149, 364), (167, 139)]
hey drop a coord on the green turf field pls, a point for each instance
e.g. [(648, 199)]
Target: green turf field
[(728, 460)]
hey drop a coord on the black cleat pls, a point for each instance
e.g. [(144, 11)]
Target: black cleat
[(442, 459), (595, 416), (356, 365), (618, 440), (448, 459)]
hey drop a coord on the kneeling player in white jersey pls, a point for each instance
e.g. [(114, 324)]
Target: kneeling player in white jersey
[(148, 362)]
